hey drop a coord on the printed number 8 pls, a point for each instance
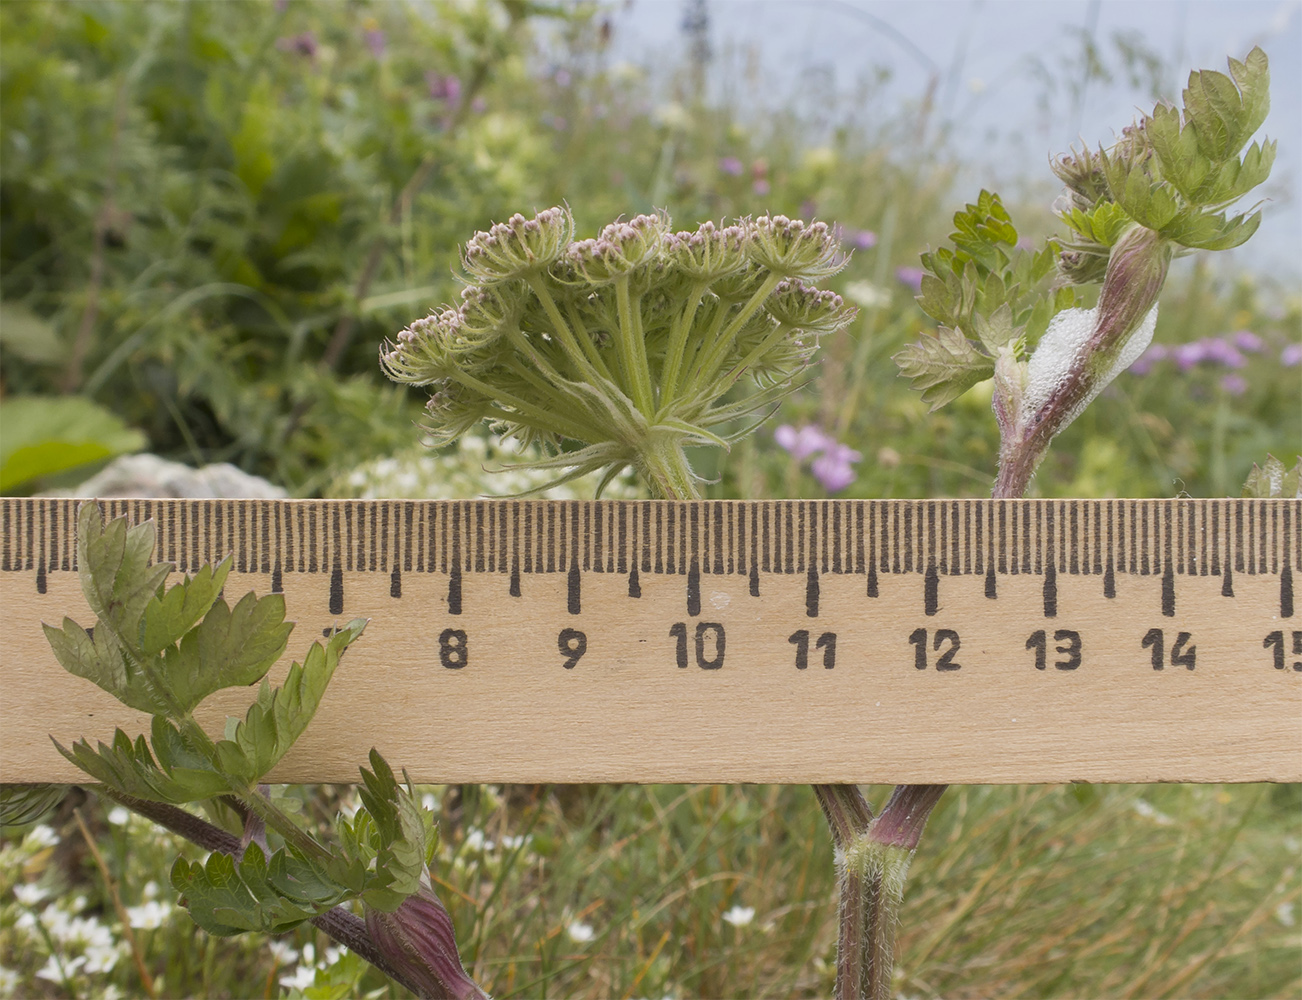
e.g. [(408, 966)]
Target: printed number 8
[(453, 650)]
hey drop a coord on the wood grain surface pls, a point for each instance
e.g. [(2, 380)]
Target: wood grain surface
[(525, 641)]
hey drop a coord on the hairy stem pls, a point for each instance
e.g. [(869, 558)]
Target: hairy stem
[(682, 326), (632, 349)]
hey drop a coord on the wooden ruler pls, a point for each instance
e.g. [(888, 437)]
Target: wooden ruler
[(770, 641)]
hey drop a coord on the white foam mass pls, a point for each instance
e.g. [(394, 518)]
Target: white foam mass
[(1057, 355)]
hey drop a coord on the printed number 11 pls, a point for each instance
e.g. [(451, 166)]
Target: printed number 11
[(826, 642)]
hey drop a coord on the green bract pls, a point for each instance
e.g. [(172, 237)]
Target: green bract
[(633, 344)]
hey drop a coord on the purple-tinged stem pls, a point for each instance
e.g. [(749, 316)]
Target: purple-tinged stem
[(338, 924)]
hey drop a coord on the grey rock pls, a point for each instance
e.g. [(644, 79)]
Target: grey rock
[(154, 477)]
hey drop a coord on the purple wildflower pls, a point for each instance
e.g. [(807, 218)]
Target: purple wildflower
[(1189, 355), (561, 77), (863, 239), (731, 166), (1222, 352), (303, 45), (1235, 385), (375, 42), (479, 105), (802, 443), (1144, 363), (761, 187), (911, 276), (443, 88), (1246, 340), (833, 468), (1291, 355)]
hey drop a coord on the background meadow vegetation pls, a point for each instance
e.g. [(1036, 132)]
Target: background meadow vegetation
[(213, 213)]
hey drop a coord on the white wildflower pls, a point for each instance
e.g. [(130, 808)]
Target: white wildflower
[(29, 895), (102, 958), (1145, 809), (1284, 914), (119, 815), (282, 952), (580, 932), (40, 836), (149, 915), (301, 978), (740, 916), (58, 972), (475, 841)]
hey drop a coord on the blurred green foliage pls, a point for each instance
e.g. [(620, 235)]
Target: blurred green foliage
[(199, 200)]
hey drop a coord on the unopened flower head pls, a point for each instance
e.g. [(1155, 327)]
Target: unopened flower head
[(519, 246), (489, 311), (430, 349), (626, 343), (792, 248), (1083, 174), (803, 307), (709, 253)]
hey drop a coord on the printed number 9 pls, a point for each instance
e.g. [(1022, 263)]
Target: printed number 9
[(573, 644), (453, 650)]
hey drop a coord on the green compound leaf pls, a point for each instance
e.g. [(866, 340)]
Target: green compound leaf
[(117, 577), (130, 768), (280, 715), (23, 804), (169, 616), (96, 655), (943, 366), (1273, 480), (232, 647), (227, 898), (387, 845), (1225, 111)]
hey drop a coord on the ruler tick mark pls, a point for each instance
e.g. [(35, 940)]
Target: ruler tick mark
[(572, 588), (454, 589), (930, 591), (811, 592), (694, 590), (337, 590)]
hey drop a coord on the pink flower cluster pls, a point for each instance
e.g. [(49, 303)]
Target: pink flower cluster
[(833, 465)]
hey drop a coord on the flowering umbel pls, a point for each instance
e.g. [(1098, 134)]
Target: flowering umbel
[(633, 344)]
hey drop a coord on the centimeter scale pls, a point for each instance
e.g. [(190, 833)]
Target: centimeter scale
[(865, 641)]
